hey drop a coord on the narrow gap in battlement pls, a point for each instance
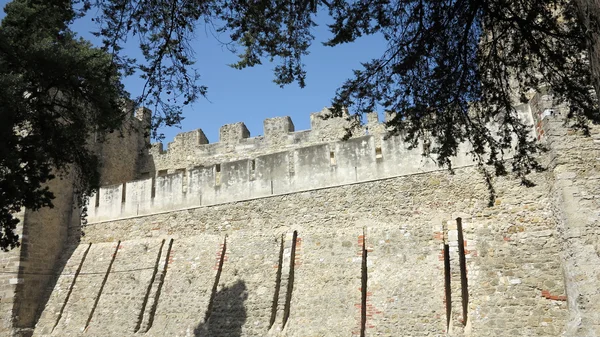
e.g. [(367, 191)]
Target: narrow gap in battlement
[(162, 173), (252, 165), (332, 158), (153, 190), (290, 285), (277, 284), (97, 201), (291, 167), (213, 293), (149, 289), (112, 261), (160, 285), (463, 270), (447, 285), (217, 174), (183, 179), (123, 193), (62, 308), (363, 287), (378, 153)]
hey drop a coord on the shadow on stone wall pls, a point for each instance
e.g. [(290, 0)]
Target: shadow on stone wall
[(228, 313), (40, 275)]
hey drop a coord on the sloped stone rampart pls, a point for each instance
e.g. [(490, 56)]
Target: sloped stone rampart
[(85, 293), (515, 281)]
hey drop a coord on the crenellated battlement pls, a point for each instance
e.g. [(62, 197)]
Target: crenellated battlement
[(193, 172), (192, 148), (317, 166)]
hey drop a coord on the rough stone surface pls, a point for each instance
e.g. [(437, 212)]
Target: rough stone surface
[(293, 235), (235, 143), (512, 262), (30, 271)]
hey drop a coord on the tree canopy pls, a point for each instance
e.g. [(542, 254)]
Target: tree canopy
[(449, 69), (450, 66), (55, 91)]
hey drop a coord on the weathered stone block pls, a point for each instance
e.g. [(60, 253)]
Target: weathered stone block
[(233, 133), (278, 126)]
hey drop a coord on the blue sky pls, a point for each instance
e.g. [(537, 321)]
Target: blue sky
[(250, 95)]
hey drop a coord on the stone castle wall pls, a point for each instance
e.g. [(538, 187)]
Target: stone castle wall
[(294, 234), (318, 166), (575, 162), (515, 279), (9, 279), (120, 152), (29, 272)]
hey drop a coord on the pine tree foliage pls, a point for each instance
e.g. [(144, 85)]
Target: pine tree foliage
[(450, 68), (55, 91), (162, 31)]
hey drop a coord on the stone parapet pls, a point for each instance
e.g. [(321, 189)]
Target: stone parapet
[(313, 167), (192, 172)]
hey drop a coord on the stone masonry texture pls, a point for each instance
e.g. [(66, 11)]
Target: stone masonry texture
[(356, 248)]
